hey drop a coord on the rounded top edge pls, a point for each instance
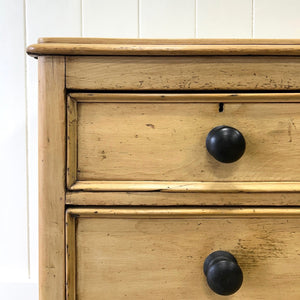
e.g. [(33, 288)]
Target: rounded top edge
[(165, 47)]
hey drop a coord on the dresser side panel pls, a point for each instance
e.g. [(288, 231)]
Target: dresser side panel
[(51, 177)]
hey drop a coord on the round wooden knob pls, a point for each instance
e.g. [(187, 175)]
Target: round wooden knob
[(223, 274), (226, 144)]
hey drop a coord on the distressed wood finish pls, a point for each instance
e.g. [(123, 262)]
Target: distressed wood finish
[(168, 139), (159, 253), (184, 186), (183, 73), (154, 213), (70, 257), (130, 202), (175, 199), (52, 127), (71, 141), (167, 47), (168, 50), (186, 98)]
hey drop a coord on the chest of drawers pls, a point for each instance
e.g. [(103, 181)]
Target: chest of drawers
[(169, 169)]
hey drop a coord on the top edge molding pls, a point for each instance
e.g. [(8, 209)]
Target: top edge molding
[(168, 47)]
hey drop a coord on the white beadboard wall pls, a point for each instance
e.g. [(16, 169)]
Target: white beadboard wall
[(23, 21)]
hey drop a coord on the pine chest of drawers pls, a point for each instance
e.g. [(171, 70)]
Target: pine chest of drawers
[(169, 169)]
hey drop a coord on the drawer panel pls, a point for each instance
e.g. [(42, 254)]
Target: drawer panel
[(183, 73), (144, 138), (159, 253)]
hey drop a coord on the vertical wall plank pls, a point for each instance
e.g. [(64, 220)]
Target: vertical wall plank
[(110, 18), (167, 19), (52, 18), (43, 18), (224, 19), (277, 19), (13, 212)]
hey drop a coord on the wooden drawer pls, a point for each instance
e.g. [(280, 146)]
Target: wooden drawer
[(159, 139), (159, 253)]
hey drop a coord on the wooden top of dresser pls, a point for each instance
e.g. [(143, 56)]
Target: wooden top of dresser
[(158, 47)]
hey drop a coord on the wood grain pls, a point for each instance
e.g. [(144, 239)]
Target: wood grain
[(71, 141), (159, 253), (148, 149), (180, 199), (186, 98), (70, 257), (52, 153), (154, 213), (122, 47), (183, 73), (185, 186), (168, 141)]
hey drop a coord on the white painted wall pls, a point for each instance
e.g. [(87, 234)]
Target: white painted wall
[(23, 21)]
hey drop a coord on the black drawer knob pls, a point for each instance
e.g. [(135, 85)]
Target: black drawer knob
[(225, 144), (223, 274)]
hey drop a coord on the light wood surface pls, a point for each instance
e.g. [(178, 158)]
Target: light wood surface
[(70, 257), (185, 73), (168, 50), (177, 199), (187, 212), (166, 141), (71, 141), (52, 127), (159, 254), (94, 46), (106, 145), (186, 98), (87, 98), (185, 186)]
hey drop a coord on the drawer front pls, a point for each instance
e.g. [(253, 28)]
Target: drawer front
[(159, 253), (143, 138)]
